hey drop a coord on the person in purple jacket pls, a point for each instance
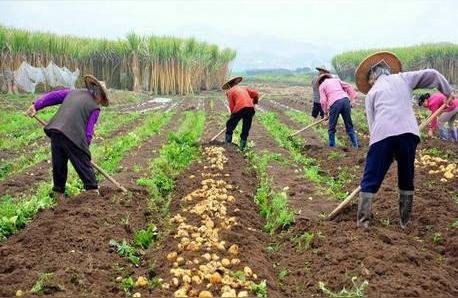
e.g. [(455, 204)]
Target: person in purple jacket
[(393, 128), (71, 130)]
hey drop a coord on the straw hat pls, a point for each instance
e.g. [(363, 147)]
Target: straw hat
[(231, 83), (91, 80), (323, 69), (322, 77), (362, 72)]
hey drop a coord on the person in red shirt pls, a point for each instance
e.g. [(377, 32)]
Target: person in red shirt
[(241, 104)]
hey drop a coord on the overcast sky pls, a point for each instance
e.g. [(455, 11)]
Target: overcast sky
[(265, 33)]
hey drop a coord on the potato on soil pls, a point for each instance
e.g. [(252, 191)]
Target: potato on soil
[(234, 249), (205, 294), (172, 256), (215, 278), (141, 282)]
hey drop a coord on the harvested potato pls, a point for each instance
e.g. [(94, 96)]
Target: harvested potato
[(172, 256), (215, 278), (141, 282), (226, 263), (234, 249), (181, 292), (205, 294)]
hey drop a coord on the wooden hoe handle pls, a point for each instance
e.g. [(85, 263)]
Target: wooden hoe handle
[(99, 169), (308, 126)]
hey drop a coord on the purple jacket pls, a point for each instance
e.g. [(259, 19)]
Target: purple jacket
[(57, 97)]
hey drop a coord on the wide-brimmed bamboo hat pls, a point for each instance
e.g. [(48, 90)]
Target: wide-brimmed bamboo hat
[(231, 83), (322, 77), (362, 72), (91, 80), (323, 69)]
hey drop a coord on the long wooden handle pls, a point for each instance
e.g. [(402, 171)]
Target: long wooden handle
[(308, 126), (105, 174), (432, 117), (344, 203), (358, 189), (99, 169), (217, 135)]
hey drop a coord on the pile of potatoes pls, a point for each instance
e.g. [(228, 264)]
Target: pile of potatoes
[(213, 272), (438, 165)]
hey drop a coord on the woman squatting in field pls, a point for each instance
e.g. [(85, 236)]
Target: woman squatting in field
[(337, 98), (394, 131), (241, 104), (450, 114), (71, 130)]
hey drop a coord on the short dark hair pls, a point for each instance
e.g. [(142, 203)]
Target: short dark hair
[(422, 98)]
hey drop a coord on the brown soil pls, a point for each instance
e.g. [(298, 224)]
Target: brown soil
[(395, 262), (247, 233), (71, 241)]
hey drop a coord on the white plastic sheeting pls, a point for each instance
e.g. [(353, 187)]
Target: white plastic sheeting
[(27, 77)]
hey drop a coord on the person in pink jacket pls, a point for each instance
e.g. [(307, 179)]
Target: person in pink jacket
[(450, 115), (337, 98)]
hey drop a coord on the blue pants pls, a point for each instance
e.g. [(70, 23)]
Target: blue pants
[(341, 107), (401, 148)]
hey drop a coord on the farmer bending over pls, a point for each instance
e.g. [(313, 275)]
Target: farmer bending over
[(317, 110), (335, 97), (241, 103), (71, 130), (450, 114), (394, 131)]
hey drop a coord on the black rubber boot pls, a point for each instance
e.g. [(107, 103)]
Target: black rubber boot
[(364, 209), (405, 206), (242, 145), (228, 139)]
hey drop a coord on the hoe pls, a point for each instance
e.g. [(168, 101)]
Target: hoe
[(307, 127)]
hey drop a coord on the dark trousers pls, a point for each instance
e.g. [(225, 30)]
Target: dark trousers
[(63, 150), (317, 110), (340, 107), (245, 114), (401, 148)]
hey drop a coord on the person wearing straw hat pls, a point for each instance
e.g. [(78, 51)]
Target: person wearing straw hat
[(71, 130), (433, 103), (241, 104), (317, 110), (337, 98), (393, 128)]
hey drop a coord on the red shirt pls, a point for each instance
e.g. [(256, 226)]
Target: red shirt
[(241, 97)]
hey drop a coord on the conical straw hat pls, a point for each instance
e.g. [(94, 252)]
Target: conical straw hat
[(91, 80), (362, 72)]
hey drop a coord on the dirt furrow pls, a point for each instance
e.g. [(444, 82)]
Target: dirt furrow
[(70, 241), (216, 243)]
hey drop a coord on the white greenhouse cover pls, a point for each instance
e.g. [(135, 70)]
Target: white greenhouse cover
[(27, 77)]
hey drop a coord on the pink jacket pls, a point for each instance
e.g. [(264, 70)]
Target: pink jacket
[(435, 101), (332, 90)]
